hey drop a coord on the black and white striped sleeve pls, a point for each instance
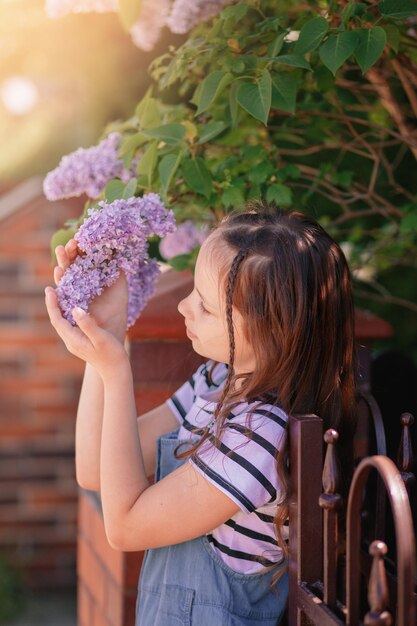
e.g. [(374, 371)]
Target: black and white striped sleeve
[(243, 465), (182, 400)]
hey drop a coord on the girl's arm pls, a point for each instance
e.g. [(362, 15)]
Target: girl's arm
[(88, 431), (110, 312), (137, 515)]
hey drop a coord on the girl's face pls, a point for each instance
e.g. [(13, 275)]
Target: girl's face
[(204, 310)]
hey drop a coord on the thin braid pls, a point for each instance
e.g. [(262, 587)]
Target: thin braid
[(231, 281)]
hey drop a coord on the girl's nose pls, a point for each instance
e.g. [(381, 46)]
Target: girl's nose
[(184, 307)]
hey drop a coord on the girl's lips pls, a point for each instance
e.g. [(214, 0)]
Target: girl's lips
[(189, 333)]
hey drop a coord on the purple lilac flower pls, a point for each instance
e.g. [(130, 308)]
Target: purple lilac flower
[(186, 238), (87, 170), (152, 18), (58, 8), (185, 14), (114, 238)]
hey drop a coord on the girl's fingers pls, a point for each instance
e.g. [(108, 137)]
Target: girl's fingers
[(66, 255), (58, 273), (74, 338), (71, 249), (88, 325), (62, 257), (61, 325)]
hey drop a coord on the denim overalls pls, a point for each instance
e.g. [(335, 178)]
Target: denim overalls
[(188, 584)]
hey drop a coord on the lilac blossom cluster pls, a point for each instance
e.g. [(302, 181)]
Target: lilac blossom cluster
[(113, 238), (146, 31), (185, 14), (183, 240), (87, 170), (179, 15)]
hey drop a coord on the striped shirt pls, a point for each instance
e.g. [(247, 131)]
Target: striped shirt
[(243, 467)]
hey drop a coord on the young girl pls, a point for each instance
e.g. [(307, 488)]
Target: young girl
[(271, 310)]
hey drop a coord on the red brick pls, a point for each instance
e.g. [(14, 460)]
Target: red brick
[(99, 618), (115, 604), (113, 560), (85, 606), (129, 615), (132, 569), (172, 357), (91, 572)]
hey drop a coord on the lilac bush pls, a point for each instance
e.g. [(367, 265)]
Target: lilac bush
[(186, 237), (113, 238), (87, 170)]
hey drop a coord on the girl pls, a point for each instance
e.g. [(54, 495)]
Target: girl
[(271, 309)]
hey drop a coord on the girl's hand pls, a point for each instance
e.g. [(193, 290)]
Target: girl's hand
[(110, 308), (87, 340)]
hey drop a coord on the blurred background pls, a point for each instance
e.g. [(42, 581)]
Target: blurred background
[(61, 81)]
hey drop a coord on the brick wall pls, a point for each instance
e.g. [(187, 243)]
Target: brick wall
[(39, 386), (162, 358)]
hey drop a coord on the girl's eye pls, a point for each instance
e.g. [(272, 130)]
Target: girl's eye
[(203, 308)]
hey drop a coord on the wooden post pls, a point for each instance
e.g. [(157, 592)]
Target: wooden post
[(305, 515), (378, 588), (330, 501)]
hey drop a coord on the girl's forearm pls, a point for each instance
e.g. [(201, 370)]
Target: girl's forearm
[(122, 470), (89, 423), (88, 430)]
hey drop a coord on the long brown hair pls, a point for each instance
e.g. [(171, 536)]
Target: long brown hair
[(291, 283)]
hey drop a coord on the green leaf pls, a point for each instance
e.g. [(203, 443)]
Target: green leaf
[(171, 134), (370, 47), (256, 98), (393, 36), (261, 172), (131, 143), (130, 188), (167, 168), (280, 194), (284, 92), (288, 171), (324, 78), (236, 65), (409, 223), (236, 12), (209, 131), (348, 11), (232, 197), (255, 192), (295, 60), (213, 84), (61, 238), (147, 113), (397, 8), (233, 105), (146, 165), (337, 49), (275, 46), (180, 262), (311, 35), (114, 190), (197, 176), (129, 11)]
